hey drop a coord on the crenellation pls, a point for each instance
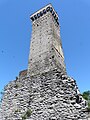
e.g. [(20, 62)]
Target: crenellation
[(47, 9)]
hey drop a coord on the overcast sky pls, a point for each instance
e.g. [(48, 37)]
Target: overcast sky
[(15, 33)]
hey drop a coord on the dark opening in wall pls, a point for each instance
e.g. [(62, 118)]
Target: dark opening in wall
[(38, 15), (53, 56), (32, 18), (77, 99), (51, 9), (48, 9), (16, 94), (53, 13), (39, 55), (52, 49), (41, 13), (71, 98), (35, 16), (44, 11)]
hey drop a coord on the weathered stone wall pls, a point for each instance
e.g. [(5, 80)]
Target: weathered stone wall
[(16, 97), (49, 96), (0, 114), (55, 97)]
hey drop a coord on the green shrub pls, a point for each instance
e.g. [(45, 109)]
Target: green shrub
[(85, 95), (27, 114), (24, 117), (88, 104), (17, 86), (17, 110)]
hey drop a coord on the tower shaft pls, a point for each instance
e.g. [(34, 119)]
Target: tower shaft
[(46, 48)]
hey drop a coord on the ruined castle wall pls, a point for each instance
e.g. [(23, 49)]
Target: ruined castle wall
[(54, 97), (49, 96), (16, 98)]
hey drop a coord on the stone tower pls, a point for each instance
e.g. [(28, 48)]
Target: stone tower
[(46, 51), (44, 91)]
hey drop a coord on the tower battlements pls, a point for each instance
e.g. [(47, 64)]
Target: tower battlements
[(43, 11)]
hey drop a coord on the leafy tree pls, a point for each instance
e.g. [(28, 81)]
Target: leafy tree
[(86, 96)]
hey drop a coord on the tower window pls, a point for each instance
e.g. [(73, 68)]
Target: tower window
[(57, 22), (35, 16), (44, 11), (38, 15), (56, 19), (41, 13), (32, 18), (48, 9), (51, 9), (53, 13)]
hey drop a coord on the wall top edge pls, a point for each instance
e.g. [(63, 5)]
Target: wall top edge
[(49, 5)]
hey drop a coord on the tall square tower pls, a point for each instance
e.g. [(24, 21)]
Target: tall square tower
[(46, 51)]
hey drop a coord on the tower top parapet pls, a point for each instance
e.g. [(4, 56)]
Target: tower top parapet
[(43, 11)]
